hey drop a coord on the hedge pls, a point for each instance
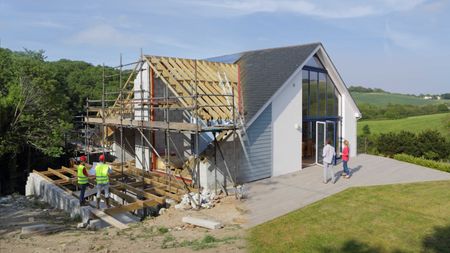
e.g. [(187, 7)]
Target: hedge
[(423, 162)]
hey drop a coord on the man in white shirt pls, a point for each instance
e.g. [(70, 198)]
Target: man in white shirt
[(328, 156)]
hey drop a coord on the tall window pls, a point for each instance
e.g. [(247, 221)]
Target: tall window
[(305, 91), (320, 96)]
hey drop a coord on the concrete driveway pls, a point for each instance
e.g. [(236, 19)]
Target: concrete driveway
[(276, 196)]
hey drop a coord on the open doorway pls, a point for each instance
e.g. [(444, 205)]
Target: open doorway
[(321, 112)]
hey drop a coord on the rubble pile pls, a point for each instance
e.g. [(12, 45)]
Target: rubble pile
[(195, 200)]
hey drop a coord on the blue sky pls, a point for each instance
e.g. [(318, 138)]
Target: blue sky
[(398, 45)]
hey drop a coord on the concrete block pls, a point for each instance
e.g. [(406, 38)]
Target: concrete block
[(97, 224), (202, 222), (41, 229)]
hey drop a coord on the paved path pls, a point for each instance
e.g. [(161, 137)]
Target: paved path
[(273, 197)]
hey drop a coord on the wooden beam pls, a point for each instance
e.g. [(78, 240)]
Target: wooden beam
[(108, 219), (139, 192), (122, 195), (58, 174), (174, 126), (131, 207)]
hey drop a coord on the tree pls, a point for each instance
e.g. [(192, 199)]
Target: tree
[(366, 133), (35, 108)]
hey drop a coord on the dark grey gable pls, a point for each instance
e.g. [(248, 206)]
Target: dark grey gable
[(263, 72)]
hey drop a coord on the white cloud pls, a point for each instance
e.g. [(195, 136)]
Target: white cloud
[(322, 9), (406, 40), (103, 34), (47, 24), (108, 35)]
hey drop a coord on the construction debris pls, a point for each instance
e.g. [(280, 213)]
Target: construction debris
[(207, 200), (202, 222)]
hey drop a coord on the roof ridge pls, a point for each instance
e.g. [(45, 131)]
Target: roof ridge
[(264, 49)]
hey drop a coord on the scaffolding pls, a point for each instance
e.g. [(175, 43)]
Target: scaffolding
[(202, 92)]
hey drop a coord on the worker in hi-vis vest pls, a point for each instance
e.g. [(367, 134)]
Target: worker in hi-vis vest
[(102, 172), (82, 177)]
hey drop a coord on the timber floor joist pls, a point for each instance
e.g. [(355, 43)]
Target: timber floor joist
[(134, 190)]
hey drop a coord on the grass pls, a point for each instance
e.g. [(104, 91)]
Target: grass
[(383, 99), (207, 242), (392, 218), (440, 122)]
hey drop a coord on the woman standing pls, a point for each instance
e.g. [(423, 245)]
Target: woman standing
[(345, 153), (328, 158)]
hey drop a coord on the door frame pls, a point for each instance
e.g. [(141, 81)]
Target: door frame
[(324, 125)]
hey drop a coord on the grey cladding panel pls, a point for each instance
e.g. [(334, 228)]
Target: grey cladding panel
[(259, 148)]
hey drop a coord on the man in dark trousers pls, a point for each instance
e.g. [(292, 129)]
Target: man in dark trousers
[(82, 178)]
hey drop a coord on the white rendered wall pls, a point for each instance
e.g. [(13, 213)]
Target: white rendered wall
[(349, 124), (286, 139), (142, 78), (142, 150)]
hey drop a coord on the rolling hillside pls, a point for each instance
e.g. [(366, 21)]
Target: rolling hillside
[(383, 99), (440, 122)]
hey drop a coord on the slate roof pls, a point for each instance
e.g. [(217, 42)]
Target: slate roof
[(263, 72)]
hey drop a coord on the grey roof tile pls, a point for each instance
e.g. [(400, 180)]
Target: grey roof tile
[(264, 71)]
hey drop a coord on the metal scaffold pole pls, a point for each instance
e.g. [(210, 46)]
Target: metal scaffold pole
[(122, 157), (197, 162), (234, 138), (86, 137), (103, 110), (167, 136), (143, 161)]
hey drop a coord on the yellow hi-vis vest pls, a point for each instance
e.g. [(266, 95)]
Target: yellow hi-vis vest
[(101, 173), (82, 179)]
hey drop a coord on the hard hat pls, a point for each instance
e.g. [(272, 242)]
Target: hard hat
[(102, 158), (83, 158)]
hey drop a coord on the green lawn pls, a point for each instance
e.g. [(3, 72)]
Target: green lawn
[(440, 122), (383, 99), (393, 218)]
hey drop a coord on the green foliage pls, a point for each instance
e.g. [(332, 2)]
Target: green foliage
[(365, 90), (366, 130), (444, 166), (438, 122), (207, 242), (382, 99), (394, 143), (34, 107), (163, 230), (432, 145), (398, 111), (38, 102), (429, 144)]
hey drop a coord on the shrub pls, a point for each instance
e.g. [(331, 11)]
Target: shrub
[(395, 143), (423, 162), (432, 145)]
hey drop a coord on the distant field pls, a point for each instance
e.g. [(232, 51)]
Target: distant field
[(416, 124), (383, 99)]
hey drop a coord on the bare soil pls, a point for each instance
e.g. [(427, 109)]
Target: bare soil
[(164, 233)]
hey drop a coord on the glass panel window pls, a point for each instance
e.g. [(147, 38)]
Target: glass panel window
[(313, 94), (314, 62), (322, 94), (305, 92), (330, 98), (337, 95)]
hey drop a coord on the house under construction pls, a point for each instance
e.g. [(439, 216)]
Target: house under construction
[(227, 120), (176, 125)]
